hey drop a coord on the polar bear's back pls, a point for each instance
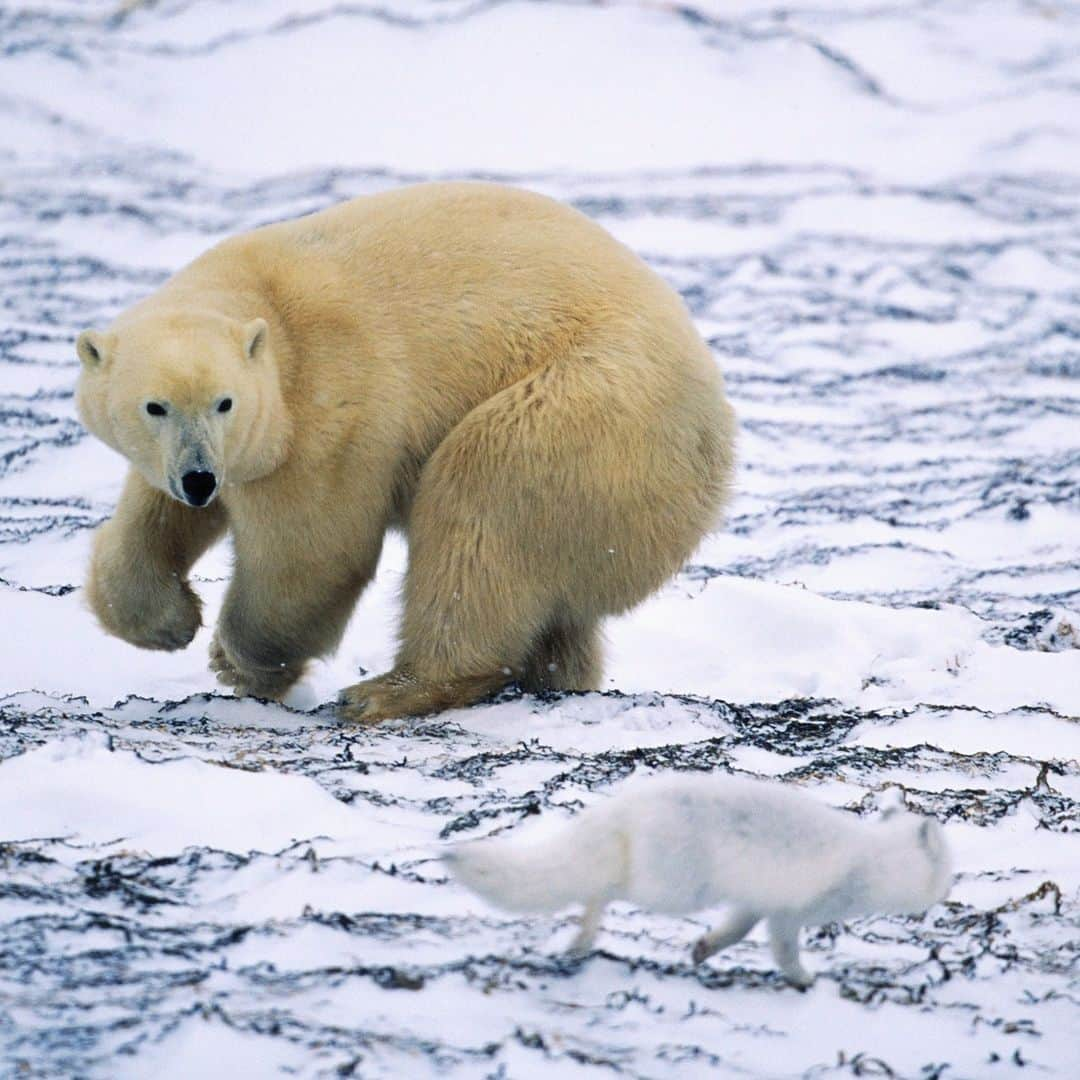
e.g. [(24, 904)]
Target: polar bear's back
[(481, 230), (499, 273)]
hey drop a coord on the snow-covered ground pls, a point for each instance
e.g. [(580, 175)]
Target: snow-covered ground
[(873, 211)]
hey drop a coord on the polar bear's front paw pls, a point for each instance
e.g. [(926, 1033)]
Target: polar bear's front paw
[(166, 616), (263, 683)]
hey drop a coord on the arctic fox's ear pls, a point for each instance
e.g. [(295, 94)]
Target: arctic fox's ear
[(930, 836), (255, 335), (94, 347), (892, 803)]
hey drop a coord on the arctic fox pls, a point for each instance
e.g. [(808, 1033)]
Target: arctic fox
[(679, 844)]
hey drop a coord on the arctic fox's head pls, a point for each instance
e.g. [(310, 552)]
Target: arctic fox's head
[(915, 863)]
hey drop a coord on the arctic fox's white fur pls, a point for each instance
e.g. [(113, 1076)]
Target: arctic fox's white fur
[(678, 844)]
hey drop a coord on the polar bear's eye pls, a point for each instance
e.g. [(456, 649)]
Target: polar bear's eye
[(154, 409), (226, 405)]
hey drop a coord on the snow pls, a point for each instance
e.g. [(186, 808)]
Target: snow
[(85, 791), (872, 213)]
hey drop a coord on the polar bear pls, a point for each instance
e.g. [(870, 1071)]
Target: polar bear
[(478, 366)]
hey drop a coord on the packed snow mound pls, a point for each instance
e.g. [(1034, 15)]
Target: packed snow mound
[(84, 792)]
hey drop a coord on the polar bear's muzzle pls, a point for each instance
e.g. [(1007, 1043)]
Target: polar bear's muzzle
[(193, 468), (199, 486)]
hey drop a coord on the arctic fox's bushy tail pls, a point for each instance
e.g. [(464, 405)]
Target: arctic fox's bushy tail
[(581, 861)]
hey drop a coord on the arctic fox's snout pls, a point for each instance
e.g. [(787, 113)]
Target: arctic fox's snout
[(937, 861)]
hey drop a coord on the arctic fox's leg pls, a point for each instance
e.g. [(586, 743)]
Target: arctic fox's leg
[(734, 928), (784, 939), (588, 926)]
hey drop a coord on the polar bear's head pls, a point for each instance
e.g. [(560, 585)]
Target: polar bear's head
[(193, 401)]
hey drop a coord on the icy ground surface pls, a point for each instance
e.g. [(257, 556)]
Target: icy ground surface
[(873, 210)]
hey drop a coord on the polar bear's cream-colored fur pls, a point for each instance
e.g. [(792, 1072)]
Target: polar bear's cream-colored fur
[(479, 366)]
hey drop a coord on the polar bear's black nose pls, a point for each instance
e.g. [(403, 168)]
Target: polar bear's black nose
[(198, 487)]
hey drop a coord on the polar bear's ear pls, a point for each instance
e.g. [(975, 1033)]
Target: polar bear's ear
[(93, 347), (255, 335)]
